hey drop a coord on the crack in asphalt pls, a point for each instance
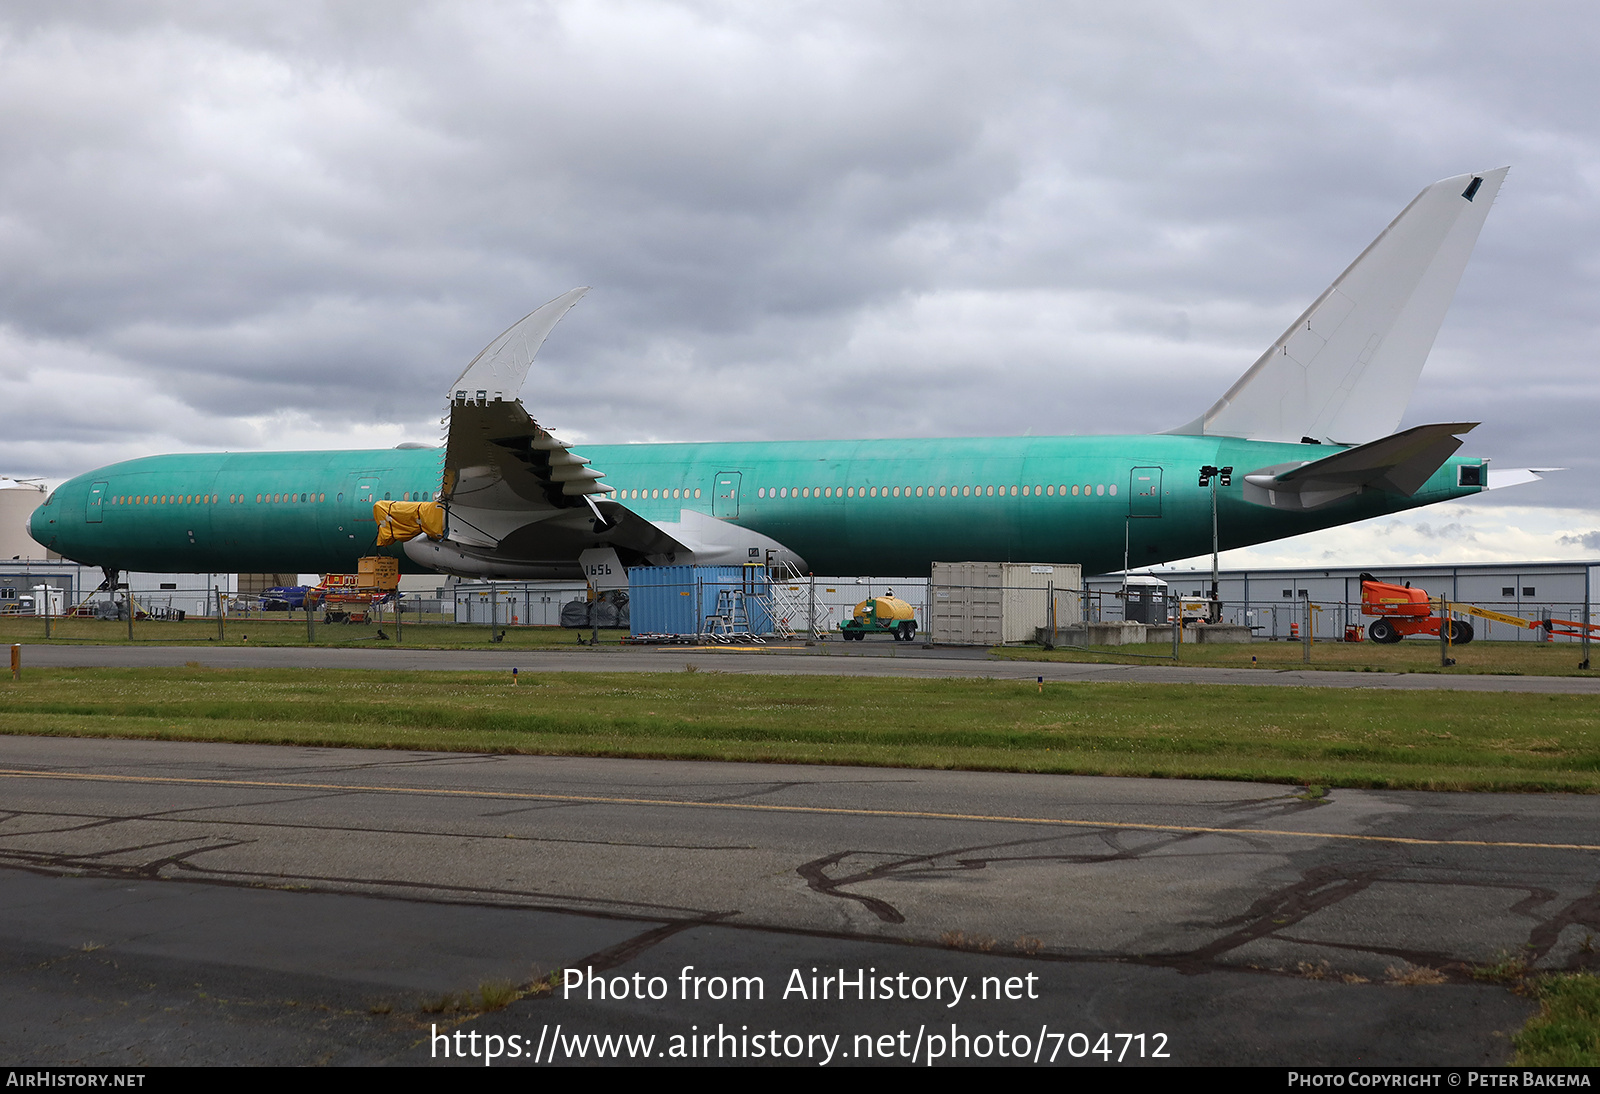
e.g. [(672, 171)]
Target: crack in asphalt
[(214, 822), (1274, 915)]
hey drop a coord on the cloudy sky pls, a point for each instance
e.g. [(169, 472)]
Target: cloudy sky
[(290, 225)]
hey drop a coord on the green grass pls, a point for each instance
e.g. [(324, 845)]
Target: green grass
[(1566, 1031), (1412, 655), (1309, 736), (274, 629), (279, 629)]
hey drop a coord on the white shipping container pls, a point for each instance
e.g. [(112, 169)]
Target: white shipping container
[(996, 603)]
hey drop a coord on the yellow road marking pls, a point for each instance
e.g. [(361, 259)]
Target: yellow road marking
[(586, 799)]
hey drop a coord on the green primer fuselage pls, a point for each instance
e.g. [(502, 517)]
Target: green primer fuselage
[(797, 492)]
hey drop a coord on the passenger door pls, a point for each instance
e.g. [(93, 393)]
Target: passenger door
[(725, 495), (94, 512), (1144, 492)]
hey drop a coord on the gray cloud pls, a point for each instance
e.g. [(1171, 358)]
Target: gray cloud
[(807, 220)]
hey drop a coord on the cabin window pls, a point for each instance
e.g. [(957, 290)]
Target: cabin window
[(386, 495), (697, 493), (1113, 489), (1013, 491), (761, 493), (1100, 490), (322, 498)]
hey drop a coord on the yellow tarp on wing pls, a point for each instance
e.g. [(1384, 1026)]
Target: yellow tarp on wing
[(399, 521)]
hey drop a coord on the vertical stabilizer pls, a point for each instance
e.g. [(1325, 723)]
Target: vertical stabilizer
[(1345, 370)]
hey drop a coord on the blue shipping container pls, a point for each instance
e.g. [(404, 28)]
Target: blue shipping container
[(698, 599)]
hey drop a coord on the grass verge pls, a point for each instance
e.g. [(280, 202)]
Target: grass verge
[(1309, 736), (1566, 1031), (1412, 655)]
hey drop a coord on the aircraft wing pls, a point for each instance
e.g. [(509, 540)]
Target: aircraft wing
[(1399, 463), (519, 502)]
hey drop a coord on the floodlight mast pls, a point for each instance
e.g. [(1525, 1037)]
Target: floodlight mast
[(1209, 476)]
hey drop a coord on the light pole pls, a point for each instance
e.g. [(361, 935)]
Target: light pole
[(1209, 476)]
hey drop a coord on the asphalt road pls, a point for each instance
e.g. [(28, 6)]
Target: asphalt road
[(199, 903), (875, 660)]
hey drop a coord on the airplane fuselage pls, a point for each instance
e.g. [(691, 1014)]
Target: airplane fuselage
[(885, 507)]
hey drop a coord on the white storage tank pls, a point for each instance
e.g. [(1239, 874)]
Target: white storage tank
[(998, 603), (18, 500)]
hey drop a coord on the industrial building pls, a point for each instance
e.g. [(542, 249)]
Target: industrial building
[(1271, 602)]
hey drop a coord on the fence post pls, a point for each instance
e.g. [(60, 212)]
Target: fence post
[(1305, 639), (1585, 663), (1176, 611), (1445, 660), (811, 610)]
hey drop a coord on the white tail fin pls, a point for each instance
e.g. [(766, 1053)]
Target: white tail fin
[(1345, 370)]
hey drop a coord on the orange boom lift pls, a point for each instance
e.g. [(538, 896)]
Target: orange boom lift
[(1404, 610)]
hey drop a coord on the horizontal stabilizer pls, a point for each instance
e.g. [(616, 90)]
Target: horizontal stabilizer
[(1500, 477), (1399, 464), (1344, 371)]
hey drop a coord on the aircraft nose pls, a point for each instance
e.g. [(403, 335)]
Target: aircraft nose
[(28, 526)]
